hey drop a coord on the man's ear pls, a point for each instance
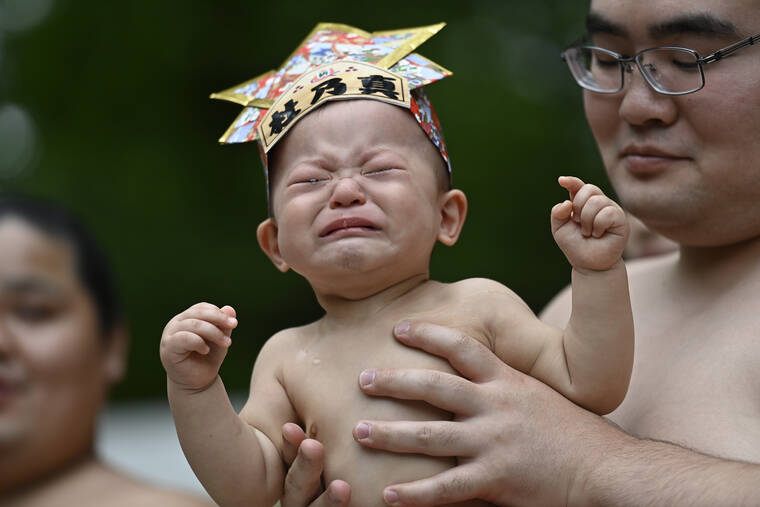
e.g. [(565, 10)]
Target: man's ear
[(453, 206), (266, 233), (116, 347)]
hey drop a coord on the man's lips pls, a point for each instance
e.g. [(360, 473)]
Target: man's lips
[(644, 159), (346, 224)]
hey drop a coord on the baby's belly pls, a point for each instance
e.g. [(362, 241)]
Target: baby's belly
[(369, 471), (329, 415)]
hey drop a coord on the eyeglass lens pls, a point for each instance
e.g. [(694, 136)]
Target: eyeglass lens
[(667, 69)]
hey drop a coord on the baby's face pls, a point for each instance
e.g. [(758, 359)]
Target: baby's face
[(356, 188)]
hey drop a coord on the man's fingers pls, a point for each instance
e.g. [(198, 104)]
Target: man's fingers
[(432, 438), (467, 355), (292, 436), (338, 494), (303, 481), (443, 390), (454, 485)]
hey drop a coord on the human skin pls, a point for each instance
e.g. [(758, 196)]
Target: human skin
[(695, 381), (643, 242), (55, 370), (357, 211)]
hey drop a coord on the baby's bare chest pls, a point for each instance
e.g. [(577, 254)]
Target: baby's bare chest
[(322, 378), (322, 382)]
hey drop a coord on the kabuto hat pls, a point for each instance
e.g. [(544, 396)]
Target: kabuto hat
[(338, 62)]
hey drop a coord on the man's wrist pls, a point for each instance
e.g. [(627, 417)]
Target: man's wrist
[(603, 447), (647, 472)]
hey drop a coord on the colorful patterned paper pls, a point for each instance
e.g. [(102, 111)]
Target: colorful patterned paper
[(329, 43), (340, 80)]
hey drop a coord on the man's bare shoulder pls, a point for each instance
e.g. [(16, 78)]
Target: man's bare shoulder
[(151, 496), (96, 485), (641, 274), (649, 267)]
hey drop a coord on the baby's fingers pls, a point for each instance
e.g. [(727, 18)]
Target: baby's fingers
[(609, 219), (229, 311), (222, 317), (184, 342), (591, 209), (561, 214), (571, 184), (206, 330)]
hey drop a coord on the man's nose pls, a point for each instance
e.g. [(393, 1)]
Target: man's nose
[(642, 105), (347, 192)]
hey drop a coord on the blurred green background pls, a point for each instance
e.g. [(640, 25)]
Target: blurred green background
[(104, 108)]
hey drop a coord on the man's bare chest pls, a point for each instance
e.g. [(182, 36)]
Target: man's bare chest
[(695, 379)]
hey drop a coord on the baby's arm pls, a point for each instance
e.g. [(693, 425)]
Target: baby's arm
[(237, 463), (590, 361), (592, 231)]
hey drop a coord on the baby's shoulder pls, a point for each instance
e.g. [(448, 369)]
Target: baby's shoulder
[(483, 292), (283, 343)]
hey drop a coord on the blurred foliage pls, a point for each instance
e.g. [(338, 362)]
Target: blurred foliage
[(126, 136)]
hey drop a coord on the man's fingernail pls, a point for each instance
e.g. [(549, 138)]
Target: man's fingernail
[(366, 378), (390, 496), (231, 321), (402, 329), (362, 431)]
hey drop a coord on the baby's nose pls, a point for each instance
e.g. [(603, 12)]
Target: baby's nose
[(347, 192)]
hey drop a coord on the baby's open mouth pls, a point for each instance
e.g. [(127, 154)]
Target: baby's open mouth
[(348, 223)]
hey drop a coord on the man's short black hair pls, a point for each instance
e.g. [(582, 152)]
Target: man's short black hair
[(91, 264)]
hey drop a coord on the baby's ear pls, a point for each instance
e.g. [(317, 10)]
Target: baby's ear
[(453, 206), (266, 233)]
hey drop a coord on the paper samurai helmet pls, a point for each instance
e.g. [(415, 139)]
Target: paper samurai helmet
[(337, 62)]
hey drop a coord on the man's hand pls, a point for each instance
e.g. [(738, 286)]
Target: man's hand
[(303, 483), (194, 344), (518, 442), (590, 228)]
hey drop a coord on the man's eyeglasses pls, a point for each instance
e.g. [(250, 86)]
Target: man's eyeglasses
[(668, 69)]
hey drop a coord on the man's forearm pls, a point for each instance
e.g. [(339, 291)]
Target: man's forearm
[(225, 453), (641, 473)]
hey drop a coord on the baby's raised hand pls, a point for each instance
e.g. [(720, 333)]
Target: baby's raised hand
[(194, 344), (590, 228)]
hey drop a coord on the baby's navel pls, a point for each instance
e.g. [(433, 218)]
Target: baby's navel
[(312, 432)]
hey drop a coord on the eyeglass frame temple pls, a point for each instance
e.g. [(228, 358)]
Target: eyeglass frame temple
[(723, 52)]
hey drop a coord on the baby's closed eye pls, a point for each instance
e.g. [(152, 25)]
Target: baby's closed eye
[(381, 171)]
